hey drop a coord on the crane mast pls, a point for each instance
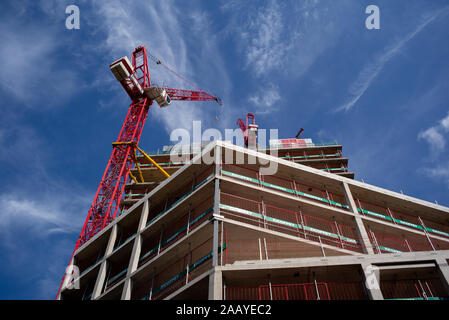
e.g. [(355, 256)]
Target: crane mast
[(135, 80), (107, 199)]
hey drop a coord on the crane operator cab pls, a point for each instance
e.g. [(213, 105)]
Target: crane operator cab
[(158, 94)]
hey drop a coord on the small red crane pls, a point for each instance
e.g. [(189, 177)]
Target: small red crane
[(135, 79), (249, 130)]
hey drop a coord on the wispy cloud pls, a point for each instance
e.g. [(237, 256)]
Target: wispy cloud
[(373, 69), (160, 26), (39, 201), (270, 45), (265, 50), (28, 52), (37, 208), (42, 214)]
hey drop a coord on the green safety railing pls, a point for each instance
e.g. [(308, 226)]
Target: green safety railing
[(299, 226), (183, 273), (402, 222), (372, 213), (176, 234), (312, 156), (179, 200), (287, 190)]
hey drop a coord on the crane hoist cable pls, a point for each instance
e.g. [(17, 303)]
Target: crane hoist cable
[(159, 62)]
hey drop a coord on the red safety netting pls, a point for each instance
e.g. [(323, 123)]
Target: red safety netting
[(299, 291), (412, 288)]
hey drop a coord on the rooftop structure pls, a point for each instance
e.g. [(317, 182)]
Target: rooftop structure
[(327, 157)]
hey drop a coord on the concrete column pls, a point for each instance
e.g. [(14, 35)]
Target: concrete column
[(372, 281), (103, 267), (111, 242), (216, 210), (144, 215), (361, 231), (443, 269), (135, 254), (215, 244), (215, 285), (217, 159), (126, 293), (100, 281)]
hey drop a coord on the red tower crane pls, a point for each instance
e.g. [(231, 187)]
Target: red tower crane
[(135, 79)]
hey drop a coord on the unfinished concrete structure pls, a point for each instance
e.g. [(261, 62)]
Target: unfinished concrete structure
[(219, 228)]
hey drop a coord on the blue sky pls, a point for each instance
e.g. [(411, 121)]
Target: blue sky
[(383, 94)]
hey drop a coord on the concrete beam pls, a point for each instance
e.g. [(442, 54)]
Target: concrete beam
[(412, 257)]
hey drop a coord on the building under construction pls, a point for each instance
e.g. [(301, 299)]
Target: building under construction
[(229, 222), (223, 229)]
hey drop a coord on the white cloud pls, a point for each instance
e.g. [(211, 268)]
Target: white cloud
[(434, 138), (266, 100), (434, 135), (440, 172), (372, 70), (445, 123)]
